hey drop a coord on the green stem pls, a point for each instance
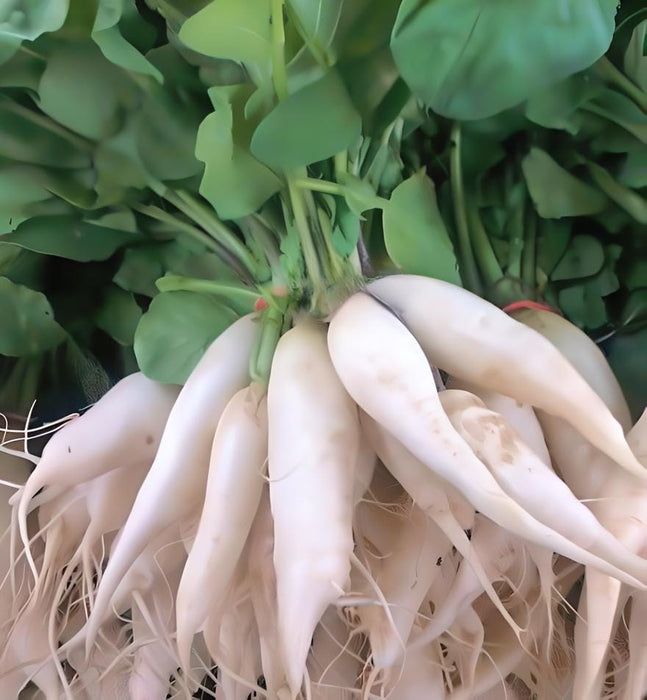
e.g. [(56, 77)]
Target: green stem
[(193, 231), (174, 283), (468, 268), (529, 254), (516, 241), (317, 52), (279, 72), (484, 254), (305, 237), (212, 225), (47, 123), (608, 71), (314, 185), (336, 263), (261, 361)]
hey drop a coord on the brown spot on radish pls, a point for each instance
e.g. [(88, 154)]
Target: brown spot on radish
[(69, 449), (149, 440)]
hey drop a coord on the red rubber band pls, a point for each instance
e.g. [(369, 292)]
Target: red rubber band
[(529, 304), (260, 304)]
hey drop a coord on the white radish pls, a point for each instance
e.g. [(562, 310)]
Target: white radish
[(637, 679), (531, 482), (262, 590), (175, 484), (599, 611), (583, 353), (421, 676), (123, 429), (233, 493), (153, 624), (499, 551), (385, 371), (520, 416), (472, 339), (334, 665), (313, 448), (404, 577)]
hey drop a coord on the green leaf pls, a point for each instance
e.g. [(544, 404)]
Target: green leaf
[(630, 201), (174, 333), (552, 243), (84, 91), (633, 172), (231, 29), (312, 124), (23, 70), (120, 52), (583, 306), (635, 60), (26, 321), (636, 274), (557, 193), (118, 315), (359, 194), (31, 18), (414, 233), (555, 107), (621, 110), (141, 266), (627, 354), (24, 140), (318, 20), (165, 131), (234, 182), (19, 187), (68, 237), (635, 310), (474, 58), (584, 257)]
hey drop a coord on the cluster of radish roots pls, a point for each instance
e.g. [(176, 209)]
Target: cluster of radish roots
[(429, 499)]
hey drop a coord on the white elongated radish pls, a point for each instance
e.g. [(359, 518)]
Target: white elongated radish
[(175, 482), (366, 463), (234, 486), (384, 369), (637, 438), (233, 642), (599, 610), (468, 628), (519, 416), (421, 676), (429, 493), (26, 656), (313, 447), (583, 353), (637, 680), (105, 673), (153, 624), (262, 591), (404, 577), (498, 550), (122, 429), (334, 665), (476, 341), (161, 557), (532, 483)]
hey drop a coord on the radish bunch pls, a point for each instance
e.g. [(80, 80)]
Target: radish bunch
[(348, 530)]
